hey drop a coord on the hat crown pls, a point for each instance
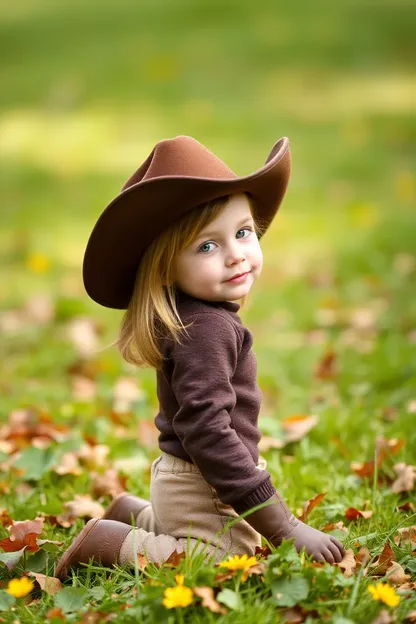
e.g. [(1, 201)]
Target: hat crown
[(181, 156)]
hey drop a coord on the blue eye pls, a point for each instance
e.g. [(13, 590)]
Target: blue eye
[(246, 229), (205, 245)]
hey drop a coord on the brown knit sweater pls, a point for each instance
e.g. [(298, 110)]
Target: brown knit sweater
[(209, 401)]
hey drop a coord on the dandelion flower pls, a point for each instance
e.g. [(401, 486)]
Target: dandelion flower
[(178, 596), (239, 563), (20, 587), (385, 593)]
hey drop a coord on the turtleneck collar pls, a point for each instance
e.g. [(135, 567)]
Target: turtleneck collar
[(231, 306)]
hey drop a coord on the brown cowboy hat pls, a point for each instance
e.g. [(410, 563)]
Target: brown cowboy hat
[(177, 176)]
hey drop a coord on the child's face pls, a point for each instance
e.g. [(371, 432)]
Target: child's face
[(226, 247)]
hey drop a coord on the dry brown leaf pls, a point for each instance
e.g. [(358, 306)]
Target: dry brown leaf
[(293, 615), (56, 614), (24, 425), (335, 526), (81, 507), (110, 483), (82, 333), (410, 617), (174, 559), (384, 617), (408, 507), (297, 426), (352, 514), (384, 448), (94, 456), (208, 600), (411, 408), (49, 584), (267, 443), (147, 434), (5, 519), (126, 392), (406, 476), (141, 561), (406, 536), (396, 575), (383, 561), (23, 533), (83, 389), (363, 556), (68, 464), (327, 368), (348, 563), (310, 505)]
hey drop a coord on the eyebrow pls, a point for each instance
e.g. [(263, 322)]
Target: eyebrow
[(214, 234)]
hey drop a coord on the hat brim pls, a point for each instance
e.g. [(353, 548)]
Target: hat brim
[(123, 233)]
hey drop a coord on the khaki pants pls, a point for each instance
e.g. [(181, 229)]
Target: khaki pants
[(185, 510)]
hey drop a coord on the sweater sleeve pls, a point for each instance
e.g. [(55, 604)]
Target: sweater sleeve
[(203, 367)]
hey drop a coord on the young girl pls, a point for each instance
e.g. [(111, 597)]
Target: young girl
[(177, 248)]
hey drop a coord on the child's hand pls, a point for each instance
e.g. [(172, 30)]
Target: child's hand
[(276, 523), (323, 547)]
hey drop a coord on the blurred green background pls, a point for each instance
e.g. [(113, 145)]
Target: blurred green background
[(89, 87)]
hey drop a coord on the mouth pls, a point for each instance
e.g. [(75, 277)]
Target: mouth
[(238, 277)]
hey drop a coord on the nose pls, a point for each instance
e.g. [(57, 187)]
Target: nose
[(235, 254)]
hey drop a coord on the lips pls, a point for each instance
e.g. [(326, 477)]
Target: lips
[(238, 275)]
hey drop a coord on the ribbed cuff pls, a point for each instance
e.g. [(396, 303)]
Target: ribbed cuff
[(262, 494)]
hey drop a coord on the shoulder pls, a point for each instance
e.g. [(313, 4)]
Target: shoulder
[(205, 317)]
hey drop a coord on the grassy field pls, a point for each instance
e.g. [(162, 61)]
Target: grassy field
[(87, 90)]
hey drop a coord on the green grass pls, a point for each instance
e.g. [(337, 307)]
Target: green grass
[(87, 90)]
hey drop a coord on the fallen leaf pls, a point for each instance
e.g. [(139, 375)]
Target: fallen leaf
[(384, 560), (384, 617), (267, 443), (108, 484), (208, 600), (326, 368), (68, 464), (174, 559), (82, 333), (363, 556), (396, 575), (126, 392), (406, 476), (23, 533), (335, 526), (94, 456), (141, 561), (406, 536), (11, 559), (293, 615), (56, 614), (147, 434), (408, 507), (49, 584), (310, 505), (348, 563), (297, 426), (352, 514), (81, 507), (410, 617), (411, 408), (5, 519)]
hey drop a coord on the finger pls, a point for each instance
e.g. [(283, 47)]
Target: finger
[(338, 544), (335, 551), (328, 555), (319, 557)]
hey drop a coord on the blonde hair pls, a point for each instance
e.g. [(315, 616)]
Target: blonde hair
[(152, 315)]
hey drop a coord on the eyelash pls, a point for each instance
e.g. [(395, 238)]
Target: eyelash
[(210, 242)]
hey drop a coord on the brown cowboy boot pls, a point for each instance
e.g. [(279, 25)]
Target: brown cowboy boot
[(125, 508), (100, 540)]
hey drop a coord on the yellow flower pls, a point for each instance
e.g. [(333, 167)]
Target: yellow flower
[(239, 563), (38, 263), (179, 596), (385, 593), (20, 587)]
